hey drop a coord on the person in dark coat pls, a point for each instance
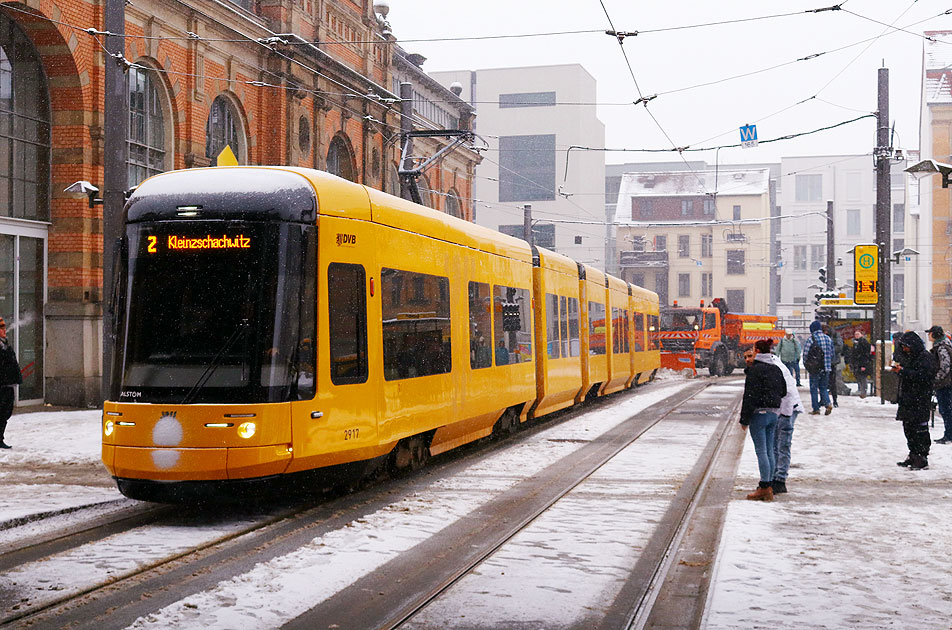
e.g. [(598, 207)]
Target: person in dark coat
[(764, 390), (916, 371), (9, 377), (942, 353), (835, 363), (861, 362)]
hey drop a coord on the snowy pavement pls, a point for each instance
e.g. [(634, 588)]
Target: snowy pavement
[(857, 542)]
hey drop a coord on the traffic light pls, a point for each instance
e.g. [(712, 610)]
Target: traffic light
[(822, 271), (510, 317)]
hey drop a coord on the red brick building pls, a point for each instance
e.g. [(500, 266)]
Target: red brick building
[(297, 82)]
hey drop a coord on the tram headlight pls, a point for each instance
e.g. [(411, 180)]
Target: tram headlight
[(247, 429), (108, 428)]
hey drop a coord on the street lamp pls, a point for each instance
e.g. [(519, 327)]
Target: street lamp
[(931, 167)]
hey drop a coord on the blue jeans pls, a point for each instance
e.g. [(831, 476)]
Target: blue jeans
[(763, 432), (782, 445), (944, 397), (794, 367), (820, 389)]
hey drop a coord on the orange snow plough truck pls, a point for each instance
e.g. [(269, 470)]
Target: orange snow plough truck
[(711, 337)]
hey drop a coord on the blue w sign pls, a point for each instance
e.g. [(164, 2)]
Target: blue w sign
[(748, 136)]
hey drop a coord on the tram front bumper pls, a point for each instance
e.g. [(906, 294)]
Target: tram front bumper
[(197, 464)]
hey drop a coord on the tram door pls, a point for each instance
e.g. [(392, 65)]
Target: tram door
[(343, 416), (22, 293)]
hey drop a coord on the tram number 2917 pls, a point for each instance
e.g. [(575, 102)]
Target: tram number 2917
[(351, 434)]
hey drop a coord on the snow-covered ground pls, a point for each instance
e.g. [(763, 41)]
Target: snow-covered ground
[(857, 542)]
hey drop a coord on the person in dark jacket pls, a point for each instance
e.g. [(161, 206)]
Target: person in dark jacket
[(764, 389), (835, 362), (942, 353), (916, 372), (861, 362), (9, 377)]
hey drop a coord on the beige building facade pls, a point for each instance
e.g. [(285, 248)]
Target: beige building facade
[(692, 236)]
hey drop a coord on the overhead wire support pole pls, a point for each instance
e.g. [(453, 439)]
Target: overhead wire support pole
[(883, 152), (115, 180), (830, 253)]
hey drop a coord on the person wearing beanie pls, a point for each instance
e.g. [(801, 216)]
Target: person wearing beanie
[(916, 374), (764, 390), (819, 368), (790, 408)]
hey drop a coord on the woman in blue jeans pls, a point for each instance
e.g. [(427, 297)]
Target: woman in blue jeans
[(764, 388)]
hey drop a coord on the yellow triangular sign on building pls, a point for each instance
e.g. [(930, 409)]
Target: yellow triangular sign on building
[(227, 157)]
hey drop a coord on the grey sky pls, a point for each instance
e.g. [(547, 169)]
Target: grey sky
[(676, 59)]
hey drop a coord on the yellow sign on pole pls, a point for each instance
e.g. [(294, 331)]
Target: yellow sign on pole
[(866, 274), (226, 157)]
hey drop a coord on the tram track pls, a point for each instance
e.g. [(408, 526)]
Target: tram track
[(394, 595), (119, 600)]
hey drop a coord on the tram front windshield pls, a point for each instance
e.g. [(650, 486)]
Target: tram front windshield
[(215, 312)]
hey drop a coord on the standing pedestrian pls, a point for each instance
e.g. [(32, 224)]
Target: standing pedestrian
[(818, 368), (10, 376), (942, 354), (916, 373), (764, 390), (860, 361), (835, 362), (790, 351), (790, 408)]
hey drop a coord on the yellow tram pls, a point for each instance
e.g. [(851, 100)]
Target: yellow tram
[(273, 321)]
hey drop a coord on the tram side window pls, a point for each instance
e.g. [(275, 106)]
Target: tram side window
[(307, 348), (596, 328), (512, 326), (652, 332), (564, 325), (639, 332), (619, 331), (416, 324), (347, 323), (575, 344), (552, 325), (480, 350)]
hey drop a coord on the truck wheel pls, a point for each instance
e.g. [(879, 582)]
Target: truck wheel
[(717, 366), (729, 369)]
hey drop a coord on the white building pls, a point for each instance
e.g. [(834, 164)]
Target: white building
[(528, 160), (850, 182)]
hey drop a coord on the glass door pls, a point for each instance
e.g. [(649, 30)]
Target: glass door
[(22, 295)]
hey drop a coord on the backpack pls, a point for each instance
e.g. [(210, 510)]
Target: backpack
[(814, 362)]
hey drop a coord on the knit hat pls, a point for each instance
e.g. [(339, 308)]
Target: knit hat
[(815, 326)]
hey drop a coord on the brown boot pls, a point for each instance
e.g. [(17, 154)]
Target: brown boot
[(761, 493)]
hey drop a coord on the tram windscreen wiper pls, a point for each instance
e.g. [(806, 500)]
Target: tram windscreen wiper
[(215, 362)]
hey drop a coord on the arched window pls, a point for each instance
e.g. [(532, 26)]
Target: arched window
[(423, 185), (452, 206), (393, 181), (24, 127), (147, 155), (339, 160), (223, 129)]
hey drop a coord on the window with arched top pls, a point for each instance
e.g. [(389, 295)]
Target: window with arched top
[(223, 128), (24, 127), (340, 161), (147, 139), (426, 196), (393, 181), (452, 206)]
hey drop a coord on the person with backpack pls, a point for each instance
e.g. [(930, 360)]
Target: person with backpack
[(818, 361), (942, 353), (916, 373), (835, 363), (764, 390)]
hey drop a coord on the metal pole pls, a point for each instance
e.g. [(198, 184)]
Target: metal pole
[(527, 223), (883, 158), (830, 253), (406, 126), (115, 175)]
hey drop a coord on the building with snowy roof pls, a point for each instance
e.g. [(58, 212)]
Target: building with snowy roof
[(694, 235)]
